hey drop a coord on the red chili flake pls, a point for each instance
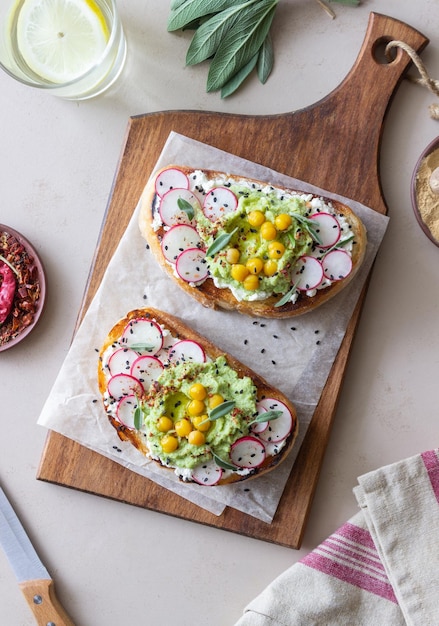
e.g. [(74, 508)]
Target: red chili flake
[(21, 265)]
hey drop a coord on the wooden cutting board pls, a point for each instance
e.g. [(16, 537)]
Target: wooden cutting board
[(344, 129)]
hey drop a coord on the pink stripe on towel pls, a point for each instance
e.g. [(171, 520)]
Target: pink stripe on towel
[(431, 462), (350, 555)]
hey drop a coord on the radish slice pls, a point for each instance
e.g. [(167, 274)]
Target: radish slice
[(308, 273), (328, 229), (191, 265), (187, 350), (208, 474), (146, 369), (280, 428), (122, 385), (247, 452), (170, 212), (143, 335), (121, 360), (337, 264), (218, 202), (125, 411), (169, 179), (177, 239)]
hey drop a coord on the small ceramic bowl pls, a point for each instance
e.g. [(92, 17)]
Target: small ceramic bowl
[(41, 279), (434, 145)]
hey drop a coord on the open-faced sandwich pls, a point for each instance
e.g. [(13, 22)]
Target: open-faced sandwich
[(189, 406), (241, 244)]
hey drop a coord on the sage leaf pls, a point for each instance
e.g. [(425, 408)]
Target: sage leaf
[(221, 410), (265, 59), (223, 464), (192, 10), (268, 416), (209, 35), (241, 42), (176, 3), (137, 418), (287, 297), (236, 80), (138, 347), (187, 207), (349, 3), (220, 242)]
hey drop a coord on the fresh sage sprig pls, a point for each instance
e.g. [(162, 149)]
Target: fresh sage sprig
[(233, 34), (138, 347), (309, 225)]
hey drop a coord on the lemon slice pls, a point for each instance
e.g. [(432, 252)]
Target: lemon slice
[(61, 39)]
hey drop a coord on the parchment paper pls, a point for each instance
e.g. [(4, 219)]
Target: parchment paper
[(295, 355)]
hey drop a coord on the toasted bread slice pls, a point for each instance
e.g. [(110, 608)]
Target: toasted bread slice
[(161, 381), (204, 228)]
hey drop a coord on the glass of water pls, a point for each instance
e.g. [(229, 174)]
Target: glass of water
[(74, 49)]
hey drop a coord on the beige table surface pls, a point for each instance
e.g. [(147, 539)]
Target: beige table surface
[(115, 564)]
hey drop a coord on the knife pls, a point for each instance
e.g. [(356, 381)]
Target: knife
[(33, 578)]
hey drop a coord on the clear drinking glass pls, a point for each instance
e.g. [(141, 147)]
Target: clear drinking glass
[(74, 49)]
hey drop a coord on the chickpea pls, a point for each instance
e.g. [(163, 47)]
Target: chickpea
[(268, 231)]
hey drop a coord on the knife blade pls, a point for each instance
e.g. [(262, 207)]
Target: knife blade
[(33, 578)]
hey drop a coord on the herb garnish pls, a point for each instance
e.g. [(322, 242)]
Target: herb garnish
[(220, 242), (307, 224), (187, 207), (287, 297), (268, 416), (138, 413), (233, 34), (223, 464), (138, 347)]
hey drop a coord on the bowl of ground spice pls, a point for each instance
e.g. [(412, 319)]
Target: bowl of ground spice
[(22, 287), (425, 191)]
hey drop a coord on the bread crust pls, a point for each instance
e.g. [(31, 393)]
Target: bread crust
[(222, 298), (180, 330)]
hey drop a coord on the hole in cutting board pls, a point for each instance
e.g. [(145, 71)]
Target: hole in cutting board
[(379, 51)]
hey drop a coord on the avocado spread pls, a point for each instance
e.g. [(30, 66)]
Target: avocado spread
[(171, 416), (267, 237)]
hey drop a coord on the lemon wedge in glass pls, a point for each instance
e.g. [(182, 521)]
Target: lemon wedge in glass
[(61, 39)]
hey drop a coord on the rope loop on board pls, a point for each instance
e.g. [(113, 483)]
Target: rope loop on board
[(424, 80)]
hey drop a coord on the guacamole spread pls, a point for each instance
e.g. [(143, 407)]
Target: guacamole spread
[(176, 412)]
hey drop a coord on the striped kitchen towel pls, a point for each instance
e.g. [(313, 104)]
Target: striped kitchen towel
[(381, 568)]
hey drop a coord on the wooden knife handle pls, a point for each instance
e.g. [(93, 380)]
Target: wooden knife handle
[(41, 598)]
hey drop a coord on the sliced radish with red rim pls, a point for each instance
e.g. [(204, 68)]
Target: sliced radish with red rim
[(187, 350), (122, 385), (125, 411), (327, 228), (121, 360), (218, 202), (308, 273), (143, 335), (146, 369), (208, 474), (247, 452), (191, 265), (279, 428), (337, 264), (170, 212), (177, 239), (170, 178)]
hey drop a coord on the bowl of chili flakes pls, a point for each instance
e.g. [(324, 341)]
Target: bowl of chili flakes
[(22, 287)]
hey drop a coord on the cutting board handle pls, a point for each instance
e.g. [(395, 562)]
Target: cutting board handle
[(353, 114)]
